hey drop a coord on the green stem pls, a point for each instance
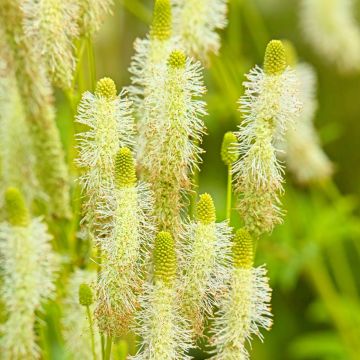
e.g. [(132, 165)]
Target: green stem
[(91, 59), (102, 346), (91, 331), (229, 193), (108, 348)]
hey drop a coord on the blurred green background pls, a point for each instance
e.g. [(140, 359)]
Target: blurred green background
[(313, 258)]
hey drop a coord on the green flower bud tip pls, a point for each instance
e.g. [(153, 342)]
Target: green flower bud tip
[(229, 154), (205, 210), (106, 87), (164, 258), (16, 210), (177, 59), (291, 54), (243, 251), (125, 173), (86, 297), (162, 20), (275, 58)]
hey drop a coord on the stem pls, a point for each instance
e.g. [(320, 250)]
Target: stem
[(102, 346), (229, 193), (91, 59), (108, 348), (91, 331)]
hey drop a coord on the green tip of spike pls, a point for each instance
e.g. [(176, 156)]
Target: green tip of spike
[(164, 258), (16, 211), (291, 54), (205, 210), (162, 20), (86, 296), (275, 58), (243, 251), (177, 59), (125, 173), (106, 87), (229, 153)]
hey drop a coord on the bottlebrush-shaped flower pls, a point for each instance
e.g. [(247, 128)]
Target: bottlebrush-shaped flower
[(92, 15), (124, 247), (246, 309), (205, 260), (170, 144), (162, 329), (28, 268), (45, 21), (76, 330), (109, 119), (196, 22), (331, 28), (151, 53), (269, 106), (304, 156)]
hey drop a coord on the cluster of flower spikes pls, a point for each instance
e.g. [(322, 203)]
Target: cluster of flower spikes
[(205, 260), (29, 268), (246, 308), (270, 105), (128, 224), (163, 330)]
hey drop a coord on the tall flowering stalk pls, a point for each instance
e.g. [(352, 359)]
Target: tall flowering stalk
[(162, 329), (28, 268), (45, 21), (171, 151), (246, 309), (269, 106), (75, 320), (331, 28), (108, 117), (205, 258), (304, 156), (128, 234), (196, 22), (37, 97)]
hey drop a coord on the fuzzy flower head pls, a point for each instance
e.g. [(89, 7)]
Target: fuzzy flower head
[(161, 27), (196, 23), (46, 20), (331, 28), (124, 244), (229, 152), (170, 150), (28, 267), (108, 117), (246, 309), (205, 261), (269, 106), (162, 329)]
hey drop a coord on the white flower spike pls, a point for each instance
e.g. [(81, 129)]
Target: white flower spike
[(270, 106)]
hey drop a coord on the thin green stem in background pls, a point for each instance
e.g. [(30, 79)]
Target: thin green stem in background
[(92, 66), (138, 9), (108, 348), (91, 332), (229, 193)]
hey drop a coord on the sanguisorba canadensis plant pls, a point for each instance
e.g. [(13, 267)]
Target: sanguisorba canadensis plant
[(246, 308), (205, 261), (270, 105), (28, 270)]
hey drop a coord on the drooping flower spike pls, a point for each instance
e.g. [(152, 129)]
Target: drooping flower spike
[(205, 261), (170, 144), (196, 23), (331, 28), (125, 244), (28, 267), (246, 309), (162, 329), (304, 156), (269, 106), (109, 119), (46, 20)]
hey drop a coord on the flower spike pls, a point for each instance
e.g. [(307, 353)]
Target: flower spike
[(17, 213), (162, 20), (229, 152)]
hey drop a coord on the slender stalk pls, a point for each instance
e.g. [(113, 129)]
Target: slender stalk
[(91, 332), (91, 59), (229, 193), (108, 348), (102, 346)]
